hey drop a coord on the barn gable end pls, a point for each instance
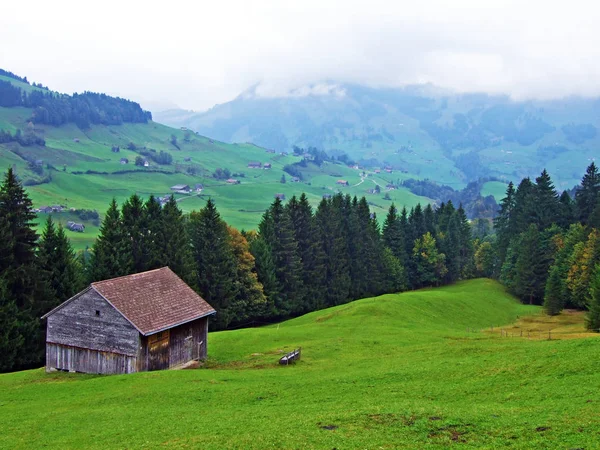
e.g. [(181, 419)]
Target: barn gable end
[(86, 334)]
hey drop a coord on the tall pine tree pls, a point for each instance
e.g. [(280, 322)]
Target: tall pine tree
[(216, 270), (586, 196), (58, 265), (111, 253), (19, 280)]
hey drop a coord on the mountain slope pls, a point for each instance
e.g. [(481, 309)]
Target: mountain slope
[(450, 138), (77, 168)]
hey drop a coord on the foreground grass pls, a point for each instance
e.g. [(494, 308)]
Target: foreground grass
[(393, 371)]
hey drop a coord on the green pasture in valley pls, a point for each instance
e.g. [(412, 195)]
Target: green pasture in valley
[(420, 369), (79, 170)]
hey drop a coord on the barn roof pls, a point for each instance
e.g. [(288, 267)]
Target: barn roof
[(152, 301)]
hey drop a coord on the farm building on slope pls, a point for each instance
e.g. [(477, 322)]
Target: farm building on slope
[(146, 321)]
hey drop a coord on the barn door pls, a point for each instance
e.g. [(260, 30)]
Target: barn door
[(158, 351)]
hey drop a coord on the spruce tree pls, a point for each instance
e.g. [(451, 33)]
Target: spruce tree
[(58, 265), (11, 339), (215, 265), (503, 223), (111, 254), (310, 251), (553, 299), (450, 245), (525, 209), (174, 242), (22, 287), (586, 196), (288, 267), (530, 270), (134, 227), (566, 211), (593, 314), (429, 219), (546, 206), (331, 231), (154, 235), (393, 234), (265, 271), (465, 242)]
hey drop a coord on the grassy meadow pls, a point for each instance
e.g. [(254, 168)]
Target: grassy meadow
[(86, 174), (421, 369)]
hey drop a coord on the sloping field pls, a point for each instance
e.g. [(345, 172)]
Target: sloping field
[(80, 171), (414, 370)]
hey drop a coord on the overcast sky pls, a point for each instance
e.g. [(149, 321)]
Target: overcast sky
[(196, 54)]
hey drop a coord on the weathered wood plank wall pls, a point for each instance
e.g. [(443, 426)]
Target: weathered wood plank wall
[(186, 342), (84, 360)]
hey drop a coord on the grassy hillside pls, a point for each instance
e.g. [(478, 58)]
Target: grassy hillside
[(415, 370), (495, 188), (86, 174)]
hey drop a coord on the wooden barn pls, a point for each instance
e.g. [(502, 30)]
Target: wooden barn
[(146, 321)]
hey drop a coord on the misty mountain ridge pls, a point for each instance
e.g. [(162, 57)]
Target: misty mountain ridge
[(465, 135)]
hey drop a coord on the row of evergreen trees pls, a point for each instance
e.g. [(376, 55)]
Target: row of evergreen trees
[(299, 260), (547, 247), (82, 109)]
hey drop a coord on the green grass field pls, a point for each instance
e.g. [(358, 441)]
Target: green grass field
[(73, 152), (495, 188), (415, 370)]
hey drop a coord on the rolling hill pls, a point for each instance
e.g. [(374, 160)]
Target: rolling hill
[(414, 370), (429, 133), (80, 168)]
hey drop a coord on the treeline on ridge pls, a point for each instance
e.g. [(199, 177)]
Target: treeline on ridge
[(475, 205), (82, 109)]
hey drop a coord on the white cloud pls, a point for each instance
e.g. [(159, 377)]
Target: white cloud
[(196, 54)]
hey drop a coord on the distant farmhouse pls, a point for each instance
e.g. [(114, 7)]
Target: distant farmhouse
[(342, 182), (181, 189), (295, 180), (233, 181), (326, 196), (74, 226), (162, 201), (198, 187), (124, 161), (146, 321), (267, 166), (280, 196), (254, 165)]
